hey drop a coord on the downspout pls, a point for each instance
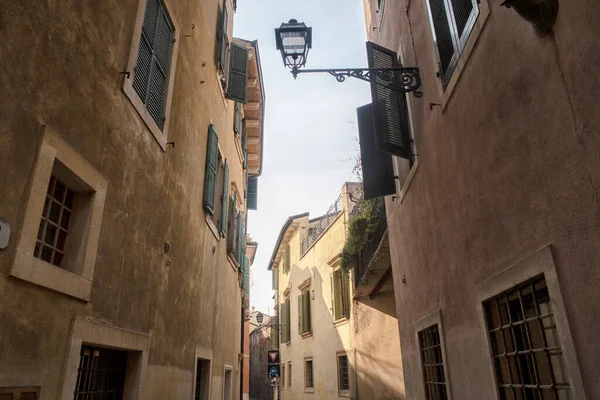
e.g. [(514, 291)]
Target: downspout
[(241, 359)]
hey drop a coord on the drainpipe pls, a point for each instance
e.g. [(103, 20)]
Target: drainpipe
[(242, 353)]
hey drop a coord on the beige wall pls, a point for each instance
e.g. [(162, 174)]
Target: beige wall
[(65, 62), (508, 166)]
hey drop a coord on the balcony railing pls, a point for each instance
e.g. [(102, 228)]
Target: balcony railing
[(377, 226), (316, 229)]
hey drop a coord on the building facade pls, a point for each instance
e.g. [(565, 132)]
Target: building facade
[(130, 149), (493, 223), (260, 344), (328, 343)]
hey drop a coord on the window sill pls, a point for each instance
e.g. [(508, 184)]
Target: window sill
[(344, 393), (340, 322), (221, 88), (306, 335), (212, 227), (309, 390), (288, 344)]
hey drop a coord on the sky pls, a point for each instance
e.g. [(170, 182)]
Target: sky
[(310, 136)]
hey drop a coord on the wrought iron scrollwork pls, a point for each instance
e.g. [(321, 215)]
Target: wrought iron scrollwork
[(399, 79)]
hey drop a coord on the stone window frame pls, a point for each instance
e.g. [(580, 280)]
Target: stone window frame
[(309, 389), (289, 383), (32, 269), (228, 368), (338, 355), (541, 262), (88, 331), (158, 134), (444, 95), (203, 353), (435, 318)]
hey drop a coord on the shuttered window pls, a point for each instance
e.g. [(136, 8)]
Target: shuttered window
[(240, 237), (252, 201), (286, 258), (19, 393), (210, 176), (222, 38), (285, 321), (238, 73), (246, 275), (390, 111), (150, 77), (451, 22), (304, 311), (340, 296), (237, 118), (232, 230), (244, 145), (377, 166), (224, 200)]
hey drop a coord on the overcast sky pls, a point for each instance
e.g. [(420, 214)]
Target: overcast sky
[(310, 124)]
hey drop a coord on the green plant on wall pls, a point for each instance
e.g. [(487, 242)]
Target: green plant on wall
[(361, 227)]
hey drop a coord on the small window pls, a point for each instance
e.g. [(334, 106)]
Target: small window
[(283, 375), (432, 362), (202, 379), (340, 296), (308, 374), (289, 375), (528, 358), (285, 321), (304, 312), (19, 393), (343, 374), (101, 373), (227, 384), (451, 22)]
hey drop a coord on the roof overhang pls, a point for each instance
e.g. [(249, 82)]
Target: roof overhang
[(287, 230)]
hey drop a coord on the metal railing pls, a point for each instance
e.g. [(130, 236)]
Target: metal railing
[(365, 254), (316, 229)]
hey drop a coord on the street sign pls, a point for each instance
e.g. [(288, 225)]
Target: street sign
[(273, 357), (274, 371)]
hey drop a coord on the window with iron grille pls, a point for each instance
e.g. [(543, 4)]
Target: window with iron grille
[(290, 375), (452, 22), (54, 225), (282, 375), (526, 350), (432, 362), (150, 77), (343, 375), (101, 373), (308, 374)]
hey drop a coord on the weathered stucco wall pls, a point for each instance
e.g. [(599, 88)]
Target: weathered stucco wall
[(65, 58), (260, 384), (509, 166)]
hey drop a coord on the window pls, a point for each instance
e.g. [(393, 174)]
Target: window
[(451, 22), (101, 373), (222, 40), (527, 355), (19, 393), (58, 244), (285, 258), (340, 296), (283, 375), (289, 375), (343, 374), (216, 183), (201, 391), (308, 373), (237, 118), (432, 362), (285, 321), (227, 382), (304, 311)]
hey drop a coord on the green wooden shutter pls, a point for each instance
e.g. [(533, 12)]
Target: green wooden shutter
[(307, 311), (274, 277), (246, 275), (150, 75), (244, 144), (333, 310), (210, 176), (390, 112), (300, 314), (288, 320), (232, 231), (222, 39), (224, 200), (346, 295), (252, 201), (240, 236), (237, 118), (286, 258), (238, 73)]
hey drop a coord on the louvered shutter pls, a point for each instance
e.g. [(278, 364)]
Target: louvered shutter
[(288, 315), (252, 201), (224, 199), (390, 112), (345, 294), (238, 73), (210, 176), (300, 314), (240, 237), (275, 333), (237, 118), (286, 257), (246, 276), (306, 311), (244, 144), (274, 273), (150, 76), (232, 231), (377, 166), (332, 281), (222, 39)]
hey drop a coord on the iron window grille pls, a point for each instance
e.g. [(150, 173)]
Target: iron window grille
[(101, 373), (432, 361), (308, 374), (343, 375), (54, 225), (525, 347), (290, 375)]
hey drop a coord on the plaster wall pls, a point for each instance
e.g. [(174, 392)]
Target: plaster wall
[(65, 60), (509, 165)]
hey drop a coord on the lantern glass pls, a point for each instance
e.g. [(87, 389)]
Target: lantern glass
[(294, 39), (259, 318)]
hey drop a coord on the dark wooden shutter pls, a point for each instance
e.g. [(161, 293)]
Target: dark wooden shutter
[(210, 176), (445, 42), (307, 311), (237, 118), (238, 73), (390, 112), (377, 166), (239, 238), (232, 231), (150, 77), (288, 320), (333, 295), (345, 294), (244, 144), (222, 40), (252, 201), (224, 199), (300, 314)]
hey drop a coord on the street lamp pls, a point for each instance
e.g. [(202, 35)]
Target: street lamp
[(259, 318), (294, 39)]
